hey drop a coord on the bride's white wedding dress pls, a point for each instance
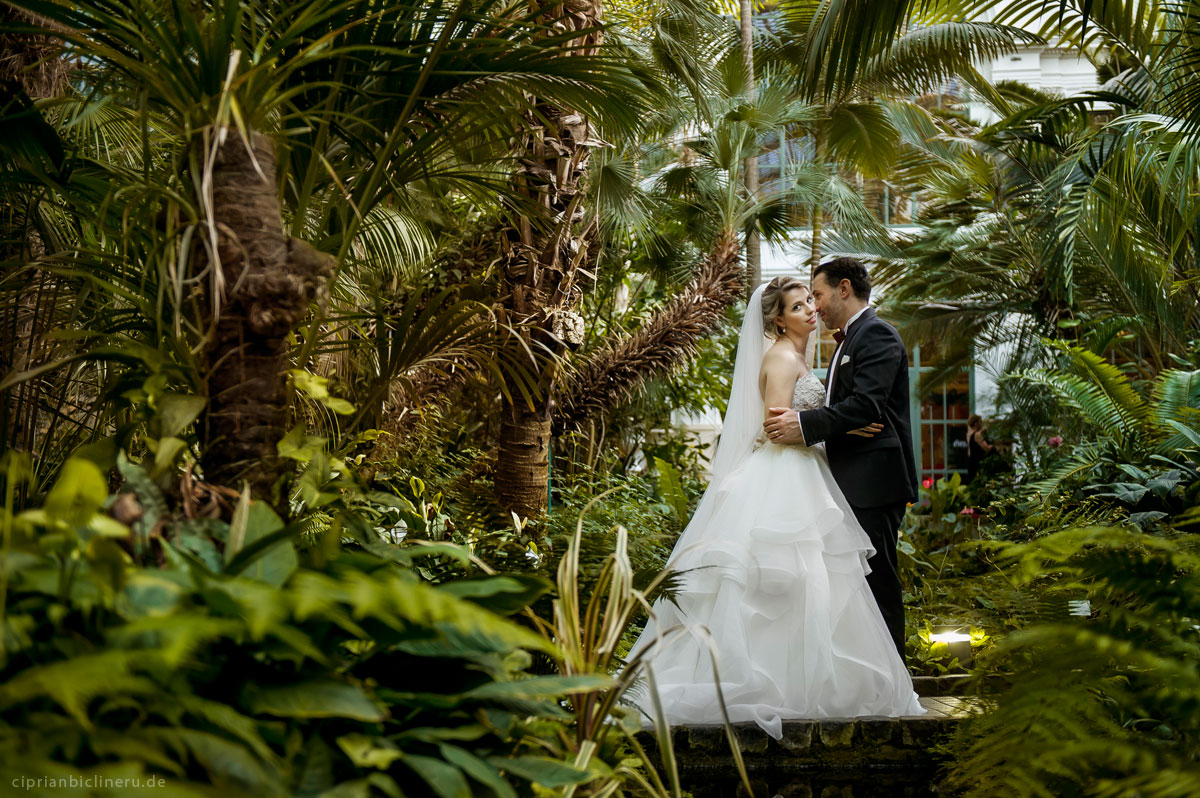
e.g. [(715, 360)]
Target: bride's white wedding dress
[(776, 573)]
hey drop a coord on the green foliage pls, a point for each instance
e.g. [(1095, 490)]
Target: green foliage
[(1054, 221), (928, 657), (941, 515), (288, 664), (382, 120), (618, 506), (590, 630), (1106, 705), (671, 489), (1140, 452)]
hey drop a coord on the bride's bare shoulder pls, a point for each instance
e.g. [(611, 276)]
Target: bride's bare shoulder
[(782, 360)]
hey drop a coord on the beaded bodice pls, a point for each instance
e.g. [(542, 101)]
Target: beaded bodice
[(809, 393)]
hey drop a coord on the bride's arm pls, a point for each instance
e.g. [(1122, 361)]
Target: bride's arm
[(777, 380)]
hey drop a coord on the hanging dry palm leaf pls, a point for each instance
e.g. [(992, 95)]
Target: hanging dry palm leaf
[(664, 343)]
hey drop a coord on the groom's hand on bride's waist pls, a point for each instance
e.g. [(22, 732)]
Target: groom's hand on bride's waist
[(783, 426)]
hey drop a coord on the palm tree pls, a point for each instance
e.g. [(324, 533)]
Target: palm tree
[(669, 45), (619, 366), (543, 265), (261, 131), (864, 100), (548, 269), (753, 244), (1045, 224), (697, 198), (27, 59)]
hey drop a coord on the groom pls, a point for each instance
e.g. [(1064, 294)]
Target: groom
[(867, 382)]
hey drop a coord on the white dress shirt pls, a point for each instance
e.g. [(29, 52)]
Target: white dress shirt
[(833, 364)]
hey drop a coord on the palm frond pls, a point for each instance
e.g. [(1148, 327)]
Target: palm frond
[(662, 344), (1175, 393), (924, 58)]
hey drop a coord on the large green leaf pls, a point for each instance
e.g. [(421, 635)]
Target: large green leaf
[(176, 411), (501, 594), (862, 135), (445, 780), (486, 774), (79, 493), (427, 604), (540, 687), (542, 770), (269, 554), (316, 698), (369, 752), (670, 487), (72, 683), (1126, 492)]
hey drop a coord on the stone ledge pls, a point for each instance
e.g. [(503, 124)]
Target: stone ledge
[(831, 744), (955, 684)]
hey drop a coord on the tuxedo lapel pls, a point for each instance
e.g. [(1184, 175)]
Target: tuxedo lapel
[(841, 376)]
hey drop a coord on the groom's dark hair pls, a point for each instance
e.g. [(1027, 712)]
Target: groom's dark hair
[(850, 269)]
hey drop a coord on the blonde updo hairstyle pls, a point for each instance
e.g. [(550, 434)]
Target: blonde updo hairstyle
[(772, 302)]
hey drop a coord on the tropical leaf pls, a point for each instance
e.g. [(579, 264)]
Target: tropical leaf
[(313, 699), (73, 683), (542, 770)]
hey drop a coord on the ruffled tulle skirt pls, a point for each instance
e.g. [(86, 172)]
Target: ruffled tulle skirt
[(775, 585)]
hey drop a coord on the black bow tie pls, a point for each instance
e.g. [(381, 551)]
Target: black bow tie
[(839, 336)]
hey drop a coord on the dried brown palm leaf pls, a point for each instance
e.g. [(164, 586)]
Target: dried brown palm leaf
[(664, 343), (31, 60)]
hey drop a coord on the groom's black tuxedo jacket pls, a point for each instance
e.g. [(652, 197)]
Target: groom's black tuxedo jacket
[(870, 384)]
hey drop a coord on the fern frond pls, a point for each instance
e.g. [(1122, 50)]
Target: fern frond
[(1103, 704), (1112, 381), (1175, 392), (1095, 405), (1081, 463)]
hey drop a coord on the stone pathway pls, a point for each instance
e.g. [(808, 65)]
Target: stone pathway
[(953, 707)]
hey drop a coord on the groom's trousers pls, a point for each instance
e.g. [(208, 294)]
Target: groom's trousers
[(882, 525)]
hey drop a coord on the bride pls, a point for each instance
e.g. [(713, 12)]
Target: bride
[(773, 562)]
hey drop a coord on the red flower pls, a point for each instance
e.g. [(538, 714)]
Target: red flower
[(1055, 440), (967, 511), (927, 484)]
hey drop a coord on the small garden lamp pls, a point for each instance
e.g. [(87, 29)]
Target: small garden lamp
[(957, 639)]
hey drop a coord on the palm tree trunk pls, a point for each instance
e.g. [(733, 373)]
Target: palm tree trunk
[(541, 264), (814, 256), (523, 468), (32, 61), (270, 280), (753, 243), (29, 64)]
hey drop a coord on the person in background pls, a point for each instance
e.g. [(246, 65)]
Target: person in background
[(977, 445)]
